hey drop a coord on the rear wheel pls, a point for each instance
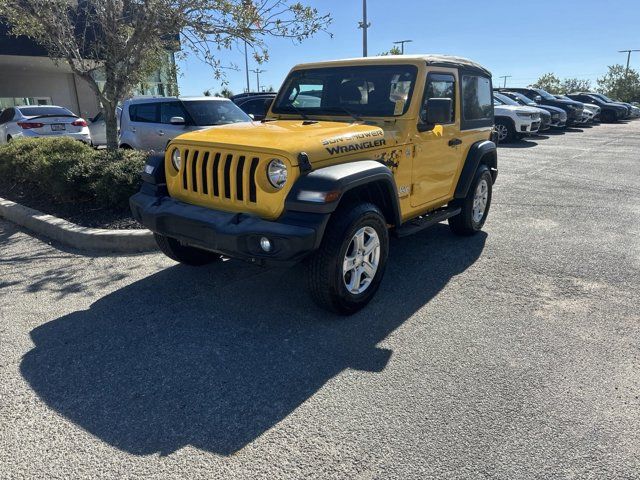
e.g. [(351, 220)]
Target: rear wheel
[(9, 138), (504, 130), (475, 206), (345, 272), (175, 250)]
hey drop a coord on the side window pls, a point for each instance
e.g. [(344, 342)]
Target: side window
[(255, 107), (6, 115), (440, 85), (145, 112), (171, 109), (477, 101)]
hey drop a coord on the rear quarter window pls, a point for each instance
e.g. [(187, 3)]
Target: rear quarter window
[(145, 112), (477, 101)]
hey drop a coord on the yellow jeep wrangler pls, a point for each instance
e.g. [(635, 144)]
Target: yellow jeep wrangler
[(350, 152)]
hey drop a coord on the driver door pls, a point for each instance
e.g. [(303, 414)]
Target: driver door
[(438, 147)]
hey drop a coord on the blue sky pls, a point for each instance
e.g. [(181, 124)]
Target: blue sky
[(523, 39)]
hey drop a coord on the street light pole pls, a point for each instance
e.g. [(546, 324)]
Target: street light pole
[(364, 26), (401, 43), (257, 71), (628, 52), (505, 79), (246, 65)]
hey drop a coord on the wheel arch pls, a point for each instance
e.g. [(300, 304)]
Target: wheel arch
[(481, 153), (364, 180)]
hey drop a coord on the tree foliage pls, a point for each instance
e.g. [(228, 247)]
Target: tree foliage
[(548, 82), (393, 51), (571, 85), (125, 40), (620, 85)]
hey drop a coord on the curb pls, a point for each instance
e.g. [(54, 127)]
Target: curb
[(72, 235)]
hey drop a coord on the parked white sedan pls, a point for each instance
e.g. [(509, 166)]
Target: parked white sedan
[(42, 121)]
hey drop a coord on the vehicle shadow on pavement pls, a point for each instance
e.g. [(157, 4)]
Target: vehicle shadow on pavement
[(519, 144), (215, 357)]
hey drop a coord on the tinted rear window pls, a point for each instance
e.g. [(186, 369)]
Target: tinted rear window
[(36, 111), (214, 112), (145, 112)]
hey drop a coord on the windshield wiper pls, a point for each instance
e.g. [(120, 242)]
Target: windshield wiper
[(298, 111), (349, 112)]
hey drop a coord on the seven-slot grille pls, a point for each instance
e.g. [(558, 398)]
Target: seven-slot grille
[(220, 175)]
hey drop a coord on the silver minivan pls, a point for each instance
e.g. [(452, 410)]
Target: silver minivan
[(150, 123)]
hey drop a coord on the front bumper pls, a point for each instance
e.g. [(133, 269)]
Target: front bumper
[(235, 235)]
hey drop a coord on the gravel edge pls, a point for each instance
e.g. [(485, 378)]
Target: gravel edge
[(72, 235)]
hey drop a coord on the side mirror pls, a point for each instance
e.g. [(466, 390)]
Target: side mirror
[(537, 99), (438, 112), (177, 121)]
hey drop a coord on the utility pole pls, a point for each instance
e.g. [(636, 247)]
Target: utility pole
[(401, 43), (505, 79), (364, 26), (246, 65), (628, 52), (257, 71)]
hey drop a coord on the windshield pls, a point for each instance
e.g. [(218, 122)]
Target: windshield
[(37, 111), (505, 99), (605, 98), (376, 91), (214, 112), (544, 94), (523, 99)]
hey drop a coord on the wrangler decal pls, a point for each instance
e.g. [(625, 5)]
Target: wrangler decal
[(354, 147)]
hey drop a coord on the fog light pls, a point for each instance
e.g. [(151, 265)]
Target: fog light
[(265, 244)]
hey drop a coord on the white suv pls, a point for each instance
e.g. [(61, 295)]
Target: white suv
[(150, 123), (514, 122)]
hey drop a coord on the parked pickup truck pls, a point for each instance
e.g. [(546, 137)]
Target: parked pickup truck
[(350, 152)]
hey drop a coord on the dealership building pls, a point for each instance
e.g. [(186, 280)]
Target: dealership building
[(29, 77)]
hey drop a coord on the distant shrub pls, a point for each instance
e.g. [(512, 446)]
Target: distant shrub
[(68, 170)]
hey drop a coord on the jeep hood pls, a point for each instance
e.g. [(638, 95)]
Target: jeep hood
[(318, 139)]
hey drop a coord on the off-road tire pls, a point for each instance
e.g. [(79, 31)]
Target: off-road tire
[(325, 275), (173, 249), (464, 223), (508, 125)]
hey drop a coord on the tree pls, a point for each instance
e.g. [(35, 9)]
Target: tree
[(620, 85), (394, 51), (548, 82), (125, 40), (225, 92), (570, 85)]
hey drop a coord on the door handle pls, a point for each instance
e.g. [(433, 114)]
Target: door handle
[(455, 142), (160, 132)]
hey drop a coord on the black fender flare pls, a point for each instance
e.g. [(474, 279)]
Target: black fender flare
[(154, 169), (338, 180), (477, 152)]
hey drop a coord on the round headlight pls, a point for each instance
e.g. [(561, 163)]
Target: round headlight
[(277, 173), (176, 160)]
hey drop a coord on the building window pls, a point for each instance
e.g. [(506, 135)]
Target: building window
[(6, 102)]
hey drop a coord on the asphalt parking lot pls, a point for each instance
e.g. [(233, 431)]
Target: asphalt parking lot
[(512, 354)]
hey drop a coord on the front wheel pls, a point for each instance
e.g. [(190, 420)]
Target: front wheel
[(475, 206), (346, 271), (175, 250), (505, 130)]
